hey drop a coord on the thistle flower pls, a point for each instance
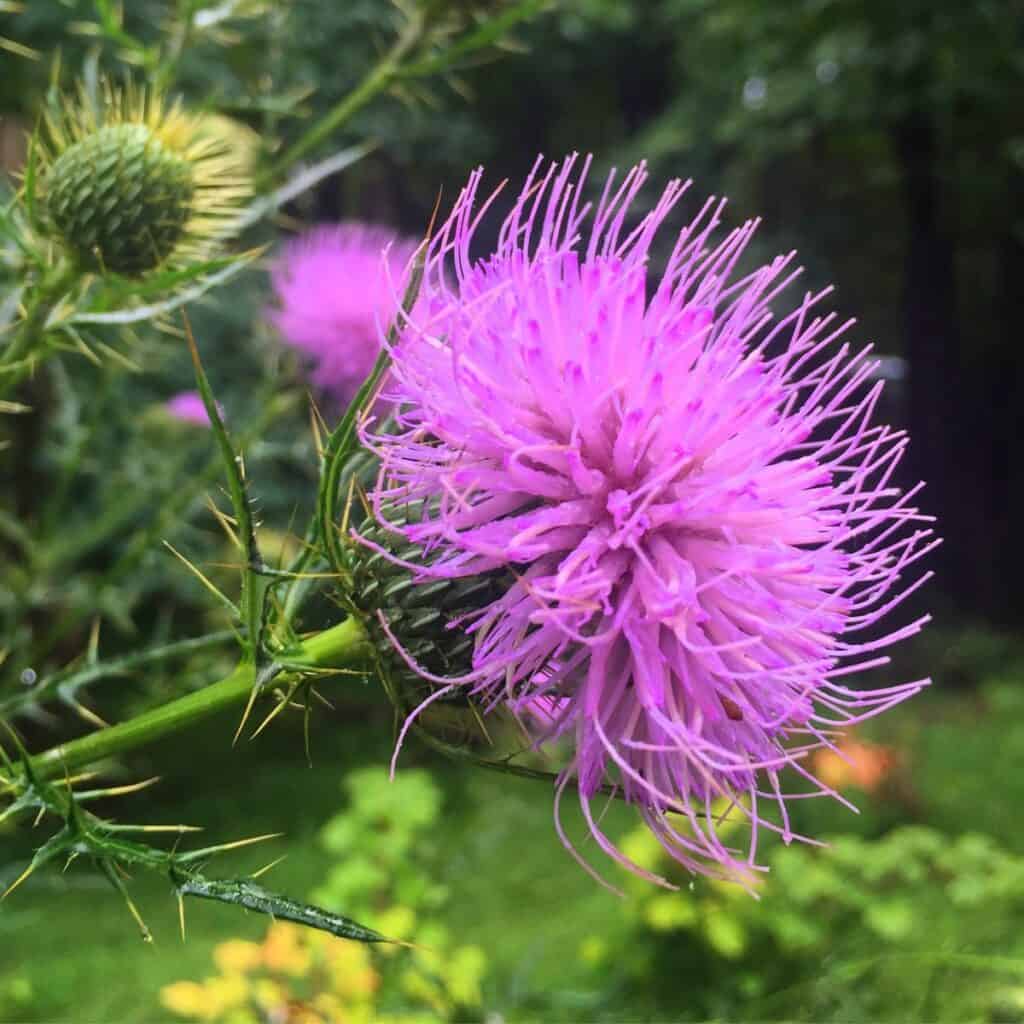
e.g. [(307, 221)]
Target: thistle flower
[(188, 407), (335, 292), (132, 183), (696, 514)]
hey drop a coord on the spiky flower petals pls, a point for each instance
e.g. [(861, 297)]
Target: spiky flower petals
[(698, 515), (336, 290), (132, 183)]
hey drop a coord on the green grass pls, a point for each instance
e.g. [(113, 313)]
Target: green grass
[(72, 938)]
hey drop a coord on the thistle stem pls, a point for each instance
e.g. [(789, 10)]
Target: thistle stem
[(341, 646), (52, 288), (386, 71)]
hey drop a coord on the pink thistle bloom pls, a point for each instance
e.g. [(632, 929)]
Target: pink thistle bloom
[(336, 289), (187, 406), (697, 512)]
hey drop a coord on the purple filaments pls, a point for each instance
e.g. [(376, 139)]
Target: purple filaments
[(336, 288), (697, 508)]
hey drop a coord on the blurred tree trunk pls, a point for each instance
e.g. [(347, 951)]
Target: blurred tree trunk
[(1006, 395), (940, 411)]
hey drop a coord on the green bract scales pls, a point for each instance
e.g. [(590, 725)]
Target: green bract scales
[(131, 183), (120, 199), (420, 615)]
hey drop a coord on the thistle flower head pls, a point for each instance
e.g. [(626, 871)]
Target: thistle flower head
[(188, 407), (131, 183), (696, 515), (335, 290)]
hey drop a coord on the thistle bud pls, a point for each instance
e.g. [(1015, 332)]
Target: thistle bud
[(421, 615), (136, 184)]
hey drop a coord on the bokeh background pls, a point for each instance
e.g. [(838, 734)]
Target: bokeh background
[(883, 140)]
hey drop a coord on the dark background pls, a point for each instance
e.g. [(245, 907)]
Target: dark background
[(883, 140)]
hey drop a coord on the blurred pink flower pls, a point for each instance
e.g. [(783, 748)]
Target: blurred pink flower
[(336, 293), (187, 406)]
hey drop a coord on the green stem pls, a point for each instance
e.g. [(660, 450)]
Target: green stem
[(167, 64), (379, 78), (14, 358), (341, 646)]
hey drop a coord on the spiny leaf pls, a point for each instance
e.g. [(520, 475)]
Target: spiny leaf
[(260, 872), (112, 791), (138, 314), (211, 587), (196, 856), (116, 881), (246, 893), (29, 176), (176, 829), (282, 703), (65, 683), (300, 183), (253, 583), (162, 281), (19, 49), (87, 714), (52, 848)]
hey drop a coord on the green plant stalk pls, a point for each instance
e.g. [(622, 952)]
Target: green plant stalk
[(13, 357), (254, 583), (488, 33), (341, 646), (386, 71), (171, 512), (166, 69)]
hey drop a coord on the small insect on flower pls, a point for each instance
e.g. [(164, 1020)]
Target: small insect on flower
[(132, 183), (694, 510), (336, 288)]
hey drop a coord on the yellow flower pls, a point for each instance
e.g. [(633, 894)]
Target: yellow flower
[(227, 992), (284, 951), (237, 956), (865, 765), (269, 996), (185, 998)]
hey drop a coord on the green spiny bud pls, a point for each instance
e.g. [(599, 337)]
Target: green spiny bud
[(120, 199), (134, 184)]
